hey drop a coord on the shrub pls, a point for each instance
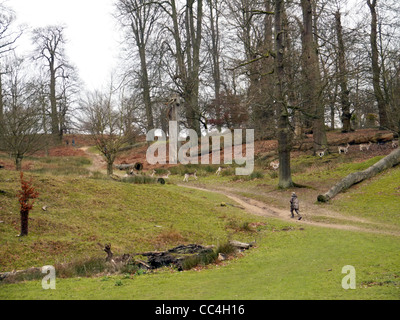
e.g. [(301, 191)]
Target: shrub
[(82, 268), (257, 175), (226, 249), (228, 172), (273, 174), (26, 198), (202, 259)]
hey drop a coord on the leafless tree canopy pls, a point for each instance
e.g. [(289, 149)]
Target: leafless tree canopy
[(108, 124), (283, 68)]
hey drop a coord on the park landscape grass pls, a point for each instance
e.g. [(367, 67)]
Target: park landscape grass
[(291, 260)]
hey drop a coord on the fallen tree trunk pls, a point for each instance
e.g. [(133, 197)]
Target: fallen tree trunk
[(390, 161), (380, 137), (133, 166)]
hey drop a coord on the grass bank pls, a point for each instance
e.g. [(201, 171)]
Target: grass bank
[(289, 263)]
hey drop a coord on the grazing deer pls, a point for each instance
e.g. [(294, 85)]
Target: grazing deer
[(166, 176), (131, 173), (188, 175), (275, 164), (322, 153), (395, 144), (344, 150), (365, 146), (220, 169)]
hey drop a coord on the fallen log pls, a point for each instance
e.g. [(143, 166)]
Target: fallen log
[(380, 137), (175, 256), (240, 245), (388, 162), (134, 166)]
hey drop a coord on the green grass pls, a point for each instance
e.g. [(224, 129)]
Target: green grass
[(377, 199), (290, 261), (83, 212), (309, 169), (296, 264)]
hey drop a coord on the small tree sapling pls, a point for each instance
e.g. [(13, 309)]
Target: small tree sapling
[(26, 197)]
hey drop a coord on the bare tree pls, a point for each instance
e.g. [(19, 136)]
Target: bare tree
[(185, 50), (312, 87), (342, 68), (21, 133), (107, 125), (253, 22), (8, 40), (8, 37), (139, 18), (50, 43), (214, 47), (376, 68), (284, 133)]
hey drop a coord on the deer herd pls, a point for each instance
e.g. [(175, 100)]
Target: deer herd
[(363, 147), (274, 165), (367, 146)]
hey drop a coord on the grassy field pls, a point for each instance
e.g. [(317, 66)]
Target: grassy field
[(133, 218), (295, 264), (291, 260)]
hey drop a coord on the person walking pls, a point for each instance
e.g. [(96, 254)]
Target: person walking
[(294, 206)]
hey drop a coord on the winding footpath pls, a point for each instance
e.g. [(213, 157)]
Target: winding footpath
[(260, 208)]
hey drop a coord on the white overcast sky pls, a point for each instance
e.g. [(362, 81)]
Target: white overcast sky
[(91, 32)]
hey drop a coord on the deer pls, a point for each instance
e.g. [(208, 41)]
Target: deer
[(131, 173), (365, 146), (322, 153), (275, 164), (188, 175), (395, 144), (165, 176), (344, 150)]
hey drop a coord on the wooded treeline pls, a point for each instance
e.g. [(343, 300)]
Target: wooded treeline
[(340, 58), (283, 68)]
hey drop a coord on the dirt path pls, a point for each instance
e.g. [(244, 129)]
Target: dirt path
[(261, 209), (256, 207), (98, 163)]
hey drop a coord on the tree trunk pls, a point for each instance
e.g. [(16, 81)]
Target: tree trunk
[(24, 223), (376, 69), (189, 68), (284, 145), (345, 92), (146, 89), (312, 78), (215, 58), (1, 103), (390, 161), (110, 167), (55, 131), (18, 163)]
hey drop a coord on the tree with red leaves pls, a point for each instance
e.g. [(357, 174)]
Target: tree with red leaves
[(26, 194)]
